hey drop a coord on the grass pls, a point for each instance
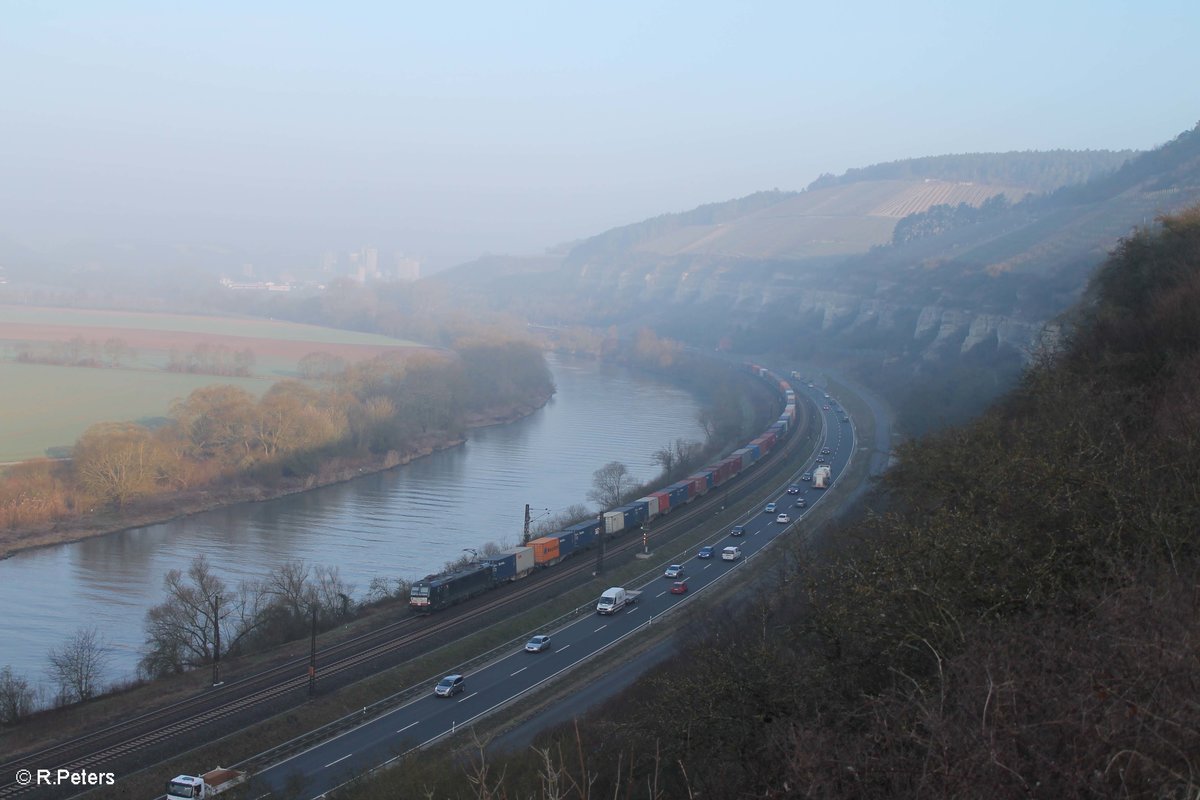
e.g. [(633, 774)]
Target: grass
[(252, 327), (48, 407)]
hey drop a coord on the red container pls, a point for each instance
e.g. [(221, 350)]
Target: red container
[(664, 501)]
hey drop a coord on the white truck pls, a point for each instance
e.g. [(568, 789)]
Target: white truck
[(821, 476), (616, 598), (198, 787)]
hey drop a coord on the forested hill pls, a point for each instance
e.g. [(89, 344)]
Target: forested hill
[(1041, 171), (1017, 619)]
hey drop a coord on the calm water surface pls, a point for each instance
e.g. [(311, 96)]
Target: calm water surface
[(405, 522)]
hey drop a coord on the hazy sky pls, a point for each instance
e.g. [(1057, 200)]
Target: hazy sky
[(451, 129)]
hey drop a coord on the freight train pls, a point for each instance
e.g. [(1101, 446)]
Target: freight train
[(441, 591)]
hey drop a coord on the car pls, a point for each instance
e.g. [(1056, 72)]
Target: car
[(845, 419), (825, 407), (820, 459), (806, 476), (705, 552), (793, 489), (801, 503), (825, 451), (783, 518), (679, 587), (674, 571), (770, 509), (731, 553), (450, 686), (738, 530), (538, 643)]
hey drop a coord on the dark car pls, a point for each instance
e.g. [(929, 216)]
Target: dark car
[(705, 552), (679, 587), (806, 476), (538, 643), (738, 530), (793, 489), (801, 503), (450, 686)]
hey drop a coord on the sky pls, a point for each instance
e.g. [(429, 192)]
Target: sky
[(450, 130)]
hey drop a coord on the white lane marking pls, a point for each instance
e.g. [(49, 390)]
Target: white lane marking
[(468, 697), (706, 566), (602, 627), (343, 758), (564, 647), (660, 594), (406, 727), (518, 672)]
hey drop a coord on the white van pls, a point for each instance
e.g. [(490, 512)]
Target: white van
[(731, 553)]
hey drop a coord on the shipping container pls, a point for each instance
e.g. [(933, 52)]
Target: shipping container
[(635, 515), (566, 542), (585, 533), (664, 501), (679, 493), (706, 478), (545, 551), (650, 505), (512, 564), (736, 461), (746, 454), (614, 522), (697, 485)]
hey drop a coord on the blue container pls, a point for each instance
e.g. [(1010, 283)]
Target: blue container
[(643, 509), (585, 534), (632, 518), (566, 543), (707, 474), (504, 566), (678, 493)]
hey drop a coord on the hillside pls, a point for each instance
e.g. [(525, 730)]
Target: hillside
[(1017, 618)]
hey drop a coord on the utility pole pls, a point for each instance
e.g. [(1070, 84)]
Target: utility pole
[(216, 679), (525, 535), (312, 658), (600, 549)]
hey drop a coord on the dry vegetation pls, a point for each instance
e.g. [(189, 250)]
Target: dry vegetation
[(1021, 622)]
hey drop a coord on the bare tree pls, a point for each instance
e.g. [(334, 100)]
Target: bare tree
[(78, 666), (180, 631), (610, 484), (16, 697)]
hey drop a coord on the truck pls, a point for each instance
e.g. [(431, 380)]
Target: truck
[(616, 598), (197, 787), (821, 476)]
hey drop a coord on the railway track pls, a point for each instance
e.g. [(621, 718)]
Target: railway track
[(157, 729)]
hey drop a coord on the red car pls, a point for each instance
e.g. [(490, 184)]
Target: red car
[(679, 587)]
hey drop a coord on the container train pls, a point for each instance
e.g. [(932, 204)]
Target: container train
[(441, 591)]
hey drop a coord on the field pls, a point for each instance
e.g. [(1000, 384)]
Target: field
[(44, 408)]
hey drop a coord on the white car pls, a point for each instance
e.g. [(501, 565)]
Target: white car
[(770, 509), (731, 553), (783, 518)]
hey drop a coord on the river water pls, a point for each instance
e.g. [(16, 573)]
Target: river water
[(406, 522)]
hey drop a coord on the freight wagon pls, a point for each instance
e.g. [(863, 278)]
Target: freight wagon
[(513, 564)]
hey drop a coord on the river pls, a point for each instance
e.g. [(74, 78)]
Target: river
[(402, 523)]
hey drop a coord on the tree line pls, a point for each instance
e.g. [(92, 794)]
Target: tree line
[(223, 436)]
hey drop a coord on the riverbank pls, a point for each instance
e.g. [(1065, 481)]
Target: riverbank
[(166, 507)]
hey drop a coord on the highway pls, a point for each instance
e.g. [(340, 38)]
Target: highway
[(506, 680)]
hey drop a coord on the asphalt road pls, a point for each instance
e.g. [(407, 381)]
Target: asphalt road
[(507, 680)]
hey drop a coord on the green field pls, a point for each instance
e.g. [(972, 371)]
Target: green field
[(46, 408)]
